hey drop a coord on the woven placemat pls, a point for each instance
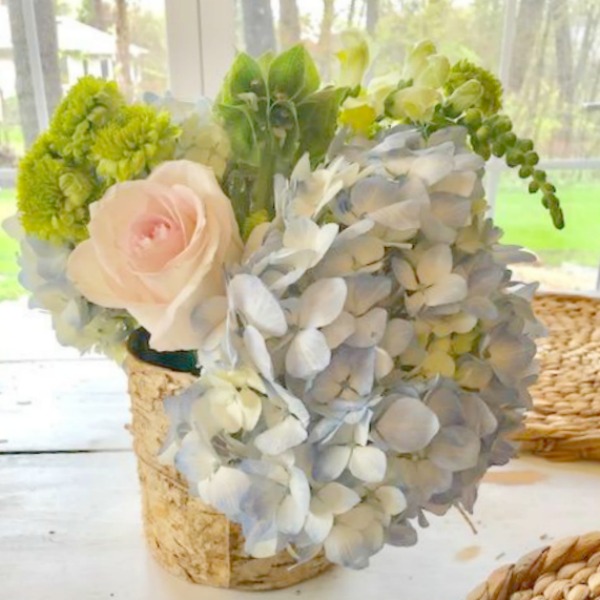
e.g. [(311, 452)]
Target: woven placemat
[(565, 422), (567, 570)]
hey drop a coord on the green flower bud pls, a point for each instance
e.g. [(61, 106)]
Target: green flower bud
[(483, 133), (498, 149), (466, 96), (548, 188), (502, 124), (539, 175), (525, 172), (473, 117), (534, 186), (532, 158), (514, 157), (525, 145), (509, 139)]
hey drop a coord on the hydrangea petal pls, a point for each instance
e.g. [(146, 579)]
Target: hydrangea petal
[(322, 302), (455, 448), (435, 264), (308, 354), (337, 498), (392, 499), (408, 425), (452, 288), (252, 298), (331, 462), (368, 463), (283, 436)]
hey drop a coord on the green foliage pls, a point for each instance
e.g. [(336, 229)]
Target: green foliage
[(433, 98), (273, 112), (88, 107), (134, 143), (489, 100), (94, 139)]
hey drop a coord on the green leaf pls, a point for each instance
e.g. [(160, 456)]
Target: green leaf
[(245, 76), (242, 137), (283, 122), (293, 75), (317, 119)]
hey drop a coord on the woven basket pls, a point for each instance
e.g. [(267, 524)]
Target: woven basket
[(565, 422), (188, 538), (568, 570)]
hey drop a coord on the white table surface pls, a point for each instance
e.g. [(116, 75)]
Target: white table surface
[(70, 524)]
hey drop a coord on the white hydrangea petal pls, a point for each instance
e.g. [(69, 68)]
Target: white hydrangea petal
[(339, 331), (384, 363), (209, 321), (331, 462), (283, 436), (459, 183), (337, 498), (398, 336), (392, 499), (408, 425), (364, 291), (263, 548), (225, 490), (414, 303), (195, 459), (478, 416), (257, 349), (318, 525), (432, 167), (260, 307), (401, 216), (291, 402), (290, 516), (322, 302), (252, 408), (455, 448), (368, 463), (405, 274), (344, 546), (510, 356), (308, 354), (435, 264), (300, 233), (452, 288), (369, 329)]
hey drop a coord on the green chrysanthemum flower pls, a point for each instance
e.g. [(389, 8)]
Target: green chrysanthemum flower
[(53, 197), (88, 107), (490, 100), (140, 139)]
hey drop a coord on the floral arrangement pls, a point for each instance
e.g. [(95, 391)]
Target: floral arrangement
[(323, 254)]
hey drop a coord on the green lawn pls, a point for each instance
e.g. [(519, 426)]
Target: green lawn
[(526, 222), (9, 286), (520, 214)]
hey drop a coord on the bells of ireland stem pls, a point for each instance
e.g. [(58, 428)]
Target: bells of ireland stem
[(413, 103), (353, 57), (465, 96)]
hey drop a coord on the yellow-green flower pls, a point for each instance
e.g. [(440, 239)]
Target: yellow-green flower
[(414, 103), (358, 114), (353, 57)]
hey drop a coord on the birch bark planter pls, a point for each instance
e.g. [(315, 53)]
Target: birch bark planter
[(188, 538)]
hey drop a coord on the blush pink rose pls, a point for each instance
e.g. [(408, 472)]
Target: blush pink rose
[(157, 248)]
